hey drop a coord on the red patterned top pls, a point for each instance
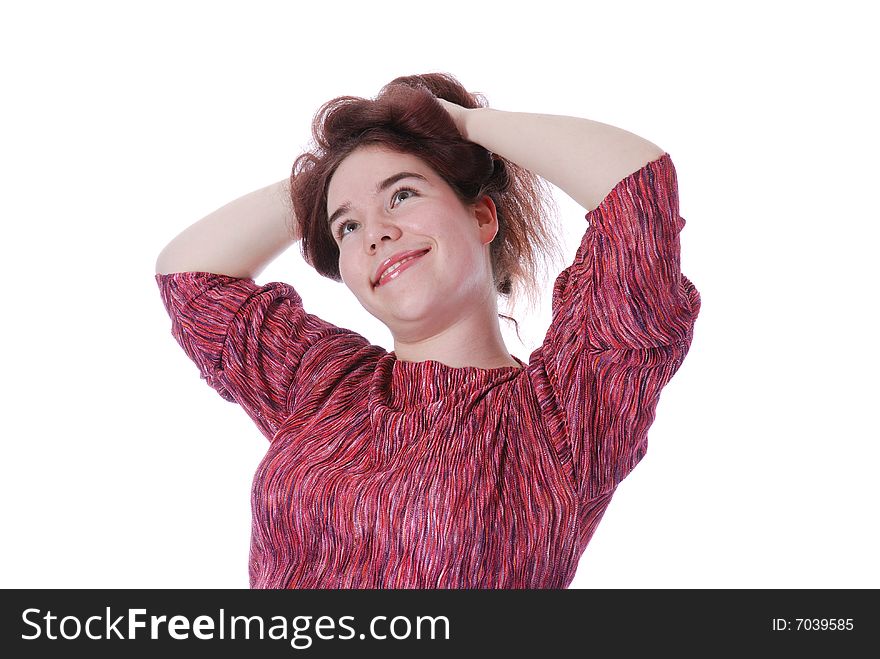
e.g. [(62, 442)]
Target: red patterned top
[(389, 474)]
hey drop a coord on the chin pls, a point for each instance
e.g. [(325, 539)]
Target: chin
[(419, 311)]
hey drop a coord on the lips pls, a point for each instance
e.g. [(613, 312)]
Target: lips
[(396, 258)]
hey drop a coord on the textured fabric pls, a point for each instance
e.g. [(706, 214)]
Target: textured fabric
[(389, 474)]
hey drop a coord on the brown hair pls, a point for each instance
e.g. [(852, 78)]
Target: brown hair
[(406, 117)]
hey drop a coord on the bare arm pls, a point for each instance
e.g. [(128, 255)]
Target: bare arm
[(584, 158), (239, 239)]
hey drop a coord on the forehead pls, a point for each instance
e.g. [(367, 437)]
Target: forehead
[(364, 167)]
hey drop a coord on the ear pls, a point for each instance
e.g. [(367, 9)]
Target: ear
[(487, 219)]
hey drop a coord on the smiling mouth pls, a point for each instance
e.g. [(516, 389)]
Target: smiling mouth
[(397, 269)]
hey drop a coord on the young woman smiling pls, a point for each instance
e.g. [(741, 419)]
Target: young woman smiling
[(447, 462)]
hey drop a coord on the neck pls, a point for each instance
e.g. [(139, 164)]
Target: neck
[(473, 340)]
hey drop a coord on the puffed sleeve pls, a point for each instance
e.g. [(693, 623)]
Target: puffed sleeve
[(623, 321), (247, 340)]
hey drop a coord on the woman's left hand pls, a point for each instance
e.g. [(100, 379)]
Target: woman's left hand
[(458, 113)]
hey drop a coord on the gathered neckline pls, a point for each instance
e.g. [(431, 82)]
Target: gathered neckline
[(414, 384), (440, 365)]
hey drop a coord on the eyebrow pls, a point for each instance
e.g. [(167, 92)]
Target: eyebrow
[(383, 185)]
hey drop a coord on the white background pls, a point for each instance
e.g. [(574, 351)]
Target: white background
[(123, 123)]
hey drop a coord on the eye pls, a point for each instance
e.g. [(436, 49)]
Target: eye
[(399, 190), (340, 228)]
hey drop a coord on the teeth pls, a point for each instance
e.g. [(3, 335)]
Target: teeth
[(397, 265)]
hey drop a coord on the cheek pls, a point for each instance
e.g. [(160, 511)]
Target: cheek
[(352, 271), (463, 250), (344, 268)]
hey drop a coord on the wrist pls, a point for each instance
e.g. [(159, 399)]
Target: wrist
[(465, 126)]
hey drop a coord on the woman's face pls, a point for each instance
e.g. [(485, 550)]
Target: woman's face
[(381, 204)]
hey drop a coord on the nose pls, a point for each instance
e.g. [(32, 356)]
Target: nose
[(377, 230)]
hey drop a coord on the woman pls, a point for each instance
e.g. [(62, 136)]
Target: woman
[(448, 462)]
